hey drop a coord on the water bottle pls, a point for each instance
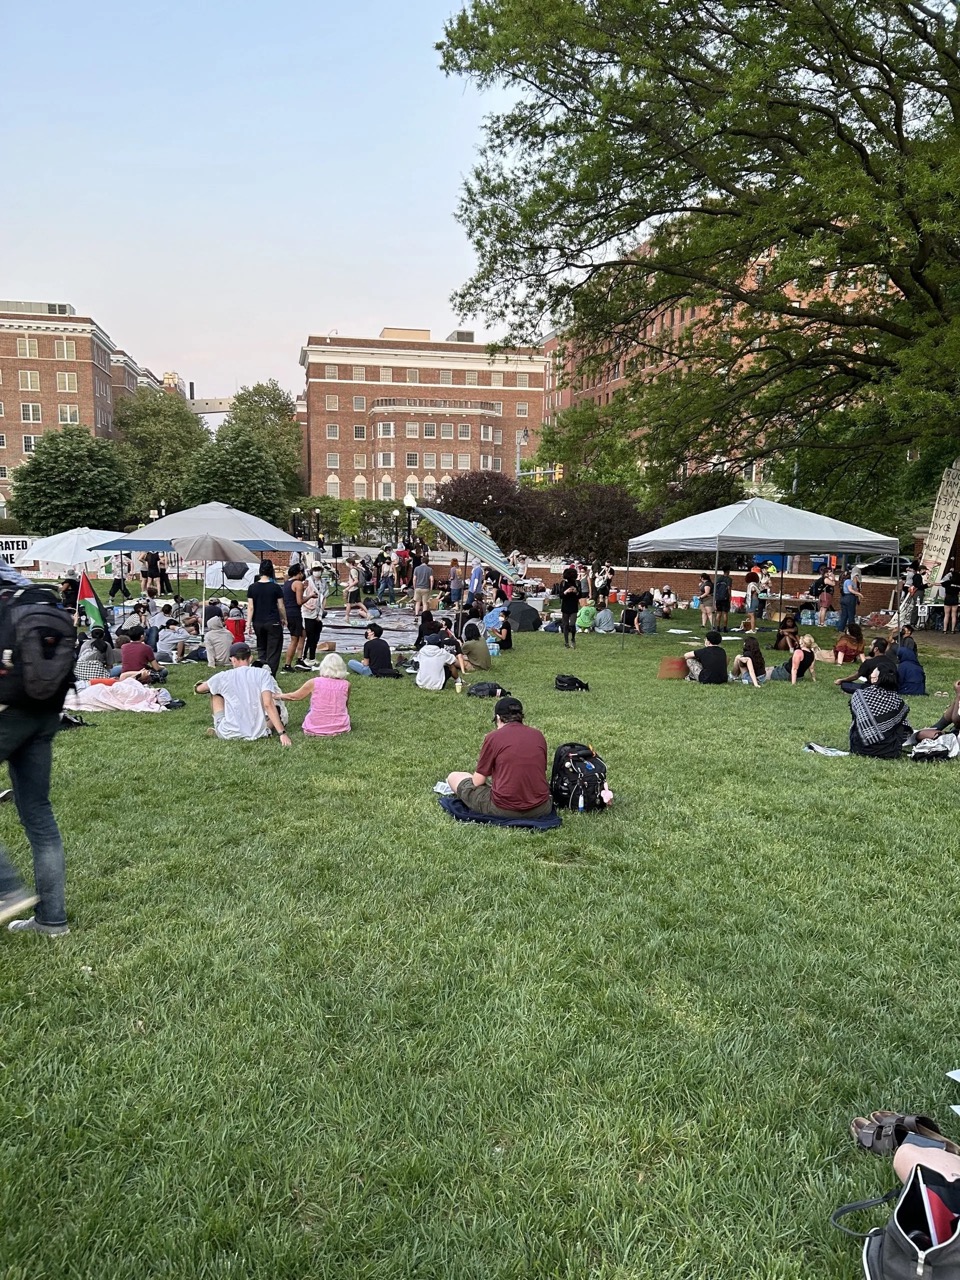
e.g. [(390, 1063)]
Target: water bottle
[(458, 685), (580, 803)]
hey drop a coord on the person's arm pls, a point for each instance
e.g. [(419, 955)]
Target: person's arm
[(273, 715), (281, 610), (304, 691), (753, 675), (298, 592), (201, 687), (249, 611), (794, 664)]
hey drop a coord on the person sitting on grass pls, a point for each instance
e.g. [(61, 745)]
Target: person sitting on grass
[(376, 659), (244, 700), (881, 654), (135, 655), (329, 694), (906, 640), (585, 617), (911, 677), (476, 655), (788, 634), (629, 618), (709, 664), (849, 646), (503, 634), (510, 780), (800, 662), (879, 715), (434, 664), (647, 621), (750, 667), (603, 623), (95, 659)]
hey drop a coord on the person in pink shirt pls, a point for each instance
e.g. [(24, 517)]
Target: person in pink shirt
[(329, 693)]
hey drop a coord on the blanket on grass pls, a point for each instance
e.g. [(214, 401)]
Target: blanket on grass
[(457, 809)]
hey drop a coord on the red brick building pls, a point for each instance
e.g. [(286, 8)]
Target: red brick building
[(402, 414)]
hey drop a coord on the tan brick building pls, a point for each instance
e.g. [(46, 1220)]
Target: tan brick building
[(403, 414)]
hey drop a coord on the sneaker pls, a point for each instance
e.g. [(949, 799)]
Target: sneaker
[(33, 925), (302, 666), (16, 902), (287, 669)]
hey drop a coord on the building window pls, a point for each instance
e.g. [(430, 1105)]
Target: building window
[(384, 459), (30, 413), (446, 378), (463, 431), (30, 443), (27, 348), (3, 442), (413, 460), (429, 461), (360, 487), (523, 379), (385, 430), (485, 460), (486, 433), (413, 430), (386, 375), (333, 461), (333, 486), (429, 487), (446, 462), (498, 406), (331, 372), (386, 490), (446, 430), (359, 404), (65, 349), (522, 408), (1, 415), (359, 461), (359, 431), (332, 403), (413, 375), (66, 382), (359, 373), (68, 414), (498, 464), (4, 473), (463, 462), (333, 431), (29, 380), (496, 379), (471, 378), (497, 436), (429, 431), (413, 487)]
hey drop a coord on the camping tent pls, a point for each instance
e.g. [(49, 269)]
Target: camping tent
[(756, 525), (209, 517)]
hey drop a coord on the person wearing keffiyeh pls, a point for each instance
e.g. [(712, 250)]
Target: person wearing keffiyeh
[(879, 727)]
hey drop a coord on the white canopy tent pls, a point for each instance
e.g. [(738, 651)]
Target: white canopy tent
[(209, 518), (757, 525)]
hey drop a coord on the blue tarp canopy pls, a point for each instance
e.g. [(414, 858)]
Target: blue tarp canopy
[(472, 537)]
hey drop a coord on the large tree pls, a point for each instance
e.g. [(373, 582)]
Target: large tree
[(71, 479), (268, 412), (240, 470), (789, 168), (160, 437)]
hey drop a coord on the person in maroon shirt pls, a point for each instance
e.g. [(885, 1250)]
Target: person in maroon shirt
[(510, 780), (135, 655)]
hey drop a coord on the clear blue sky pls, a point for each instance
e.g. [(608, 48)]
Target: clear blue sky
[(214, 181)]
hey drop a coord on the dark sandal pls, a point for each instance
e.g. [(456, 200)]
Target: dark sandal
[(922, 1125)]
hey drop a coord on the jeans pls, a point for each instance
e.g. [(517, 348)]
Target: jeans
[(26, 743), (848, 611), (269, 644), (358, 668), (151, 636), (387, 591)]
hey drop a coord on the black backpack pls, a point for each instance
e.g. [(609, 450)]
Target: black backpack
[(37, 650), (579, 777), (570, 684), (487, 689)]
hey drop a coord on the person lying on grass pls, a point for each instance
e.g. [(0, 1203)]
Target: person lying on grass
[(510, 780), (329, 693), (244, 700), (800, 662), (879, 714)]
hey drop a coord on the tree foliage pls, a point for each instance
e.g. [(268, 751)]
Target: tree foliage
[(240, 470), (268, 413), (71, 479), (160, 437), (788, 168)]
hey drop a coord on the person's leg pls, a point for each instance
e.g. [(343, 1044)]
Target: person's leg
[(261, 634), (454, 779), (30, 765), (693, 669), (151, 636), (358, 668), (311, 628), (274, 646)]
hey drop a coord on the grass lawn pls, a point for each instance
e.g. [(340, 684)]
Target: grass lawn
[(307, 1026)]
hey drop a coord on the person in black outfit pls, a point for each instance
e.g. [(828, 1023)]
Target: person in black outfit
[(266, 614), (69, 590), (709, 664), (880, 655), (569, 606), (951, 596)]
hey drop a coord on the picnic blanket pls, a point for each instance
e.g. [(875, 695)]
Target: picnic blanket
[(125, 695), (457, 809)]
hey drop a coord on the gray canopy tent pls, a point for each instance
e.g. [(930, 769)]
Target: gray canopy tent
[(757, 525)]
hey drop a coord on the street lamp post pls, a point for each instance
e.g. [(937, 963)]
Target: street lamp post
[(316, 529), (523, 439), (295, 521), (409, 501), (396, 525)]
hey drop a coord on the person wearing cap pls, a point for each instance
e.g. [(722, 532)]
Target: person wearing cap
[(510, 780), (266, 614), (244, 700)]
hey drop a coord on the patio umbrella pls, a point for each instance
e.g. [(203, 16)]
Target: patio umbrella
[(210, 517), (207, 546), (72, 547)]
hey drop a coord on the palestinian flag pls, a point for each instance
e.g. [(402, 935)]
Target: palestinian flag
[(89, 602)]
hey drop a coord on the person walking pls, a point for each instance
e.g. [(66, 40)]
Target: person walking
[(26, 744), (266, 614), (312, 611), (121, 569)]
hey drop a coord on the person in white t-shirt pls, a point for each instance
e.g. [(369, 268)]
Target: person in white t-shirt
[(243, 700), (433, 661)]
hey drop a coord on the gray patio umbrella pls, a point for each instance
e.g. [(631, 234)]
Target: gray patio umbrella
[(206, 547)]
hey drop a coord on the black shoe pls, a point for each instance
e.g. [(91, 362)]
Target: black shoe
[(287, 668), (175, 704)]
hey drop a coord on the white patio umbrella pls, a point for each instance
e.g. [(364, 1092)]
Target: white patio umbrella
[(206, 547), (72, 547), (210, 517)]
